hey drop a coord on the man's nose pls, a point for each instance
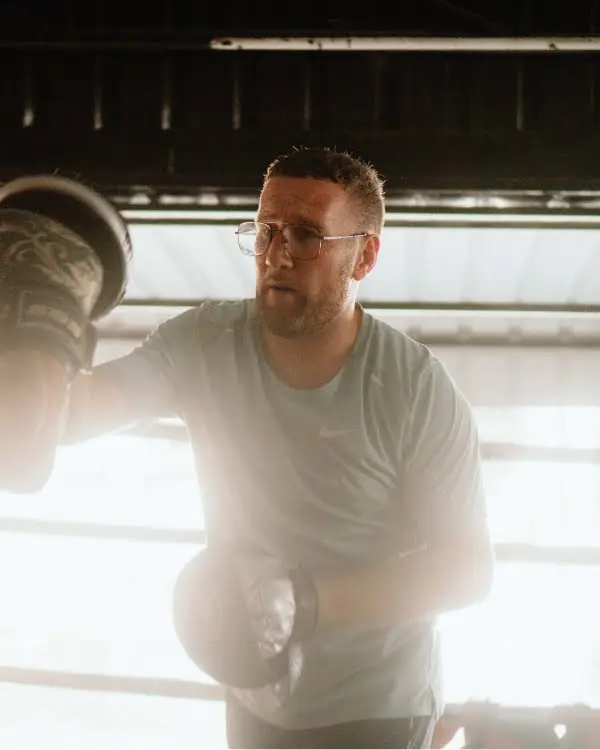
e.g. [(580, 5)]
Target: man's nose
[(277, 255)]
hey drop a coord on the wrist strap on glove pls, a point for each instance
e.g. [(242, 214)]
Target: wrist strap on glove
[(307, 604), (42, 318)]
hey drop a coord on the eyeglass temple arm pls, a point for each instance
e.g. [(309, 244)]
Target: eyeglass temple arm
[(346, 236)]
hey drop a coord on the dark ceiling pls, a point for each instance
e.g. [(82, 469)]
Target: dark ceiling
[(130, 95)]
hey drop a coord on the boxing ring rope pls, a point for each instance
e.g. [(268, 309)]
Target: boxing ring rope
[(161, 687), (113, 532), (505, 552), (172, 688)]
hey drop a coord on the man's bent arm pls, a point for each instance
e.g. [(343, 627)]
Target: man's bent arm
[(420, 586), (443, 503)]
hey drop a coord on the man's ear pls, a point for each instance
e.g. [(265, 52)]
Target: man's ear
[(367, 259)]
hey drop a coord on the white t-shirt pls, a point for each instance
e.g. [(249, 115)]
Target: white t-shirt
[(378, 461)]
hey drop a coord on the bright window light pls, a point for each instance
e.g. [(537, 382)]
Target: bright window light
[(92, 605), (556, 426), (534, 642), (544, 503), (119, 479)]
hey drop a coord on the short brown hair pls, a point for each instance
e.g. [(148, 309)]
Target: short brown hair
[(358, 178)]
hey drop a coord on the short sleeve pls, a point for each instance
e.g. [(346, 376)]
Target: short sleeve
[(151, 373), (441, 463)]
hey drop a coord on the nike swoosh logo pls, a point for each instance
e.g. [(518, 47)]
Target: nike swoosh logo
[(325, 432)]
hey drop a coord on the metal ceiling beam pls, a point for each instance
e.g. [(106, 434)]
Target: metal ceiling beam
[(486, 45), (189, 42), (527, 209), (233, 162)]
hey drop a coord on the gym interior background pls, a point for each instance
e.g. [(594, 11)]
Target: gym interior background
[(484, 119)]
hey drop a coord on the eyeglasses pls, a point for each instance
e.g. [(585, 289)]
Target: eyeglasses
[(301, 242)]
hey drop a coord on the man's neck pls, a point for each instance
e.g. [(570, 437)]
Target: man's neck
[(312, 361)]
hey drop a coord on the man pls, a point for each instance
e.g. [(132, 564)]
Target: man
[(326, 439)]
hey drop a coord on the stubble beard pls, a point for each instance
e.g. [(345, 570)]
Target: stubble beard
[(300, 317)]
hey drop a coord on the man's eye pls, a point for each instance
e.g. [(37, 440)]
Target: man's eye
[(302, 234)]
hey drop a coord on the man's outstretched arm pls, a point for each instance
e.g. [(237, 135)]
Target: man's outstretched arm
[(120, 393), (42, 408)]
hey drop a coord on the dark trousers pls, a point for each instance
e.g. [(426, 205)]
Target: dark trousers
[(244, 730)]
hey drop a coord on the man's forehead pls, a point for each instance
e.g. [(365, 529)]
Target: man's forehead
[(304, 197)]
